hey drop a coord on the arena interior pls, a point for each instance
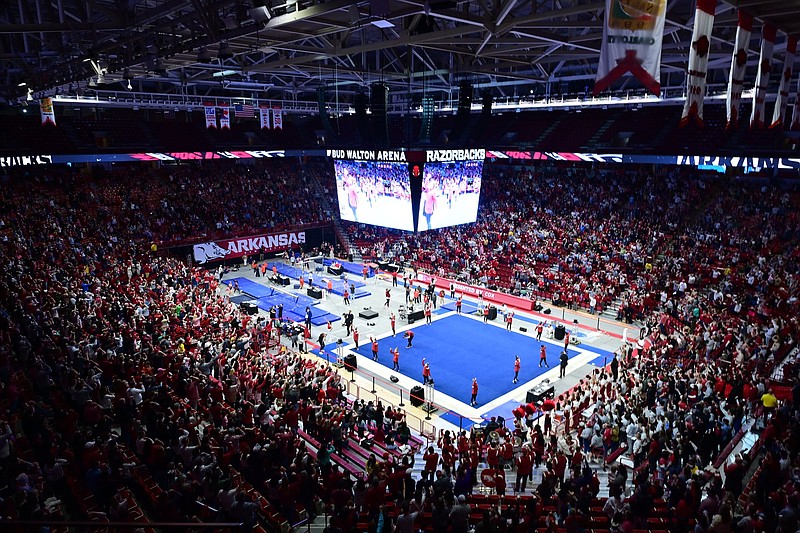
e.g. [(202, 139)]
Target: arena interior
[(399, 265)]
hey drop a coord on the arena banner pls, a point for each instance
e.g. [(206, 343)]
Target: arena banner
[(225, 118), (206, 252), (779, 115), (495, 297), (632, 36), (47, 111), (263, 114), (738, 67), (211, 117), (277, 118), (762, 76), (698, 62)]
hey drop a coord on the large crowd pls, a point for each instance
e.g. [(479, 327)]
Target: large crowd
[(709, 268), (127, 371)]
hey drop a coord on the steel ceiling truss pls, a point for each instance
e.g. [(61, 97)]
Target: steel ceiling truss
[(287, 49)]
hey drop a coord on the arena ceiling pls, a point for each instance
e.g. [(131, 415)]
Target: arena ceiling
[(284, 50)]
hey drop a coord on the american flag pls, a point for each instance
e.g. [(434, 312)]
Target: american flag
[(243, 111)]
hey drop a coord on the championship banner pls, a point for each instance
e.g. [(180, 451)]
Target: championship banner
[(632, 37), (277, 118), (738, 66), (698, 61), (233, 248), (225, 118), (211, 117), (779, 115), (762, 77), (47, 111), (263, 114)]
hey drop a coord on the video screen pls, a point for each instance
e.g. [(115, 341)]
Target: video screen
[(374, 192), (450, 194)]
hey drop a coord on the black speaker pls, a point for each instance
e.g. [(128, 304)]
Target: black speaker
[(492, 313), (379, 97), (523, 329), (428, 106), (361, 102), (547, 311), (323, 112), (417, 396), (350, 362)]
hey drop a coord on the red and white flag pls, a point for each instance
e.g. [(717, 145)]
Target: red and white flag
[(47, 111), (277, 118), (225, 118), (779, 115), (632, 37), (211, 117), (263, 113), (698, 61), (738, 66), (762, 76)]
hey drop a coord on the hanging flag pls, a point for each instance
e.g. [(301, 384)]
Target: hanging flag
[(762, 77), (264, 116), (47, 111), (738, 67), (211, 117), (698, 61), (243, 111), (632, 36), (277, 118), (796, 113), (779, 115), (225, 118)]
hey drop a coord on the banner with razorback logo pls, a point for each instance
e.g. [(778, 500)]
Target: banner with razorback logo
[(632, 37), (232, 248), (762, 77), (698, 61), (779, 115), (211, 117), (225, 118), (738, 67)]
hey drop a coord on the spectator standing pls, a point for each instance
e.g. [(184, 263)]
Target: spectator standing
[(615, 367)]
